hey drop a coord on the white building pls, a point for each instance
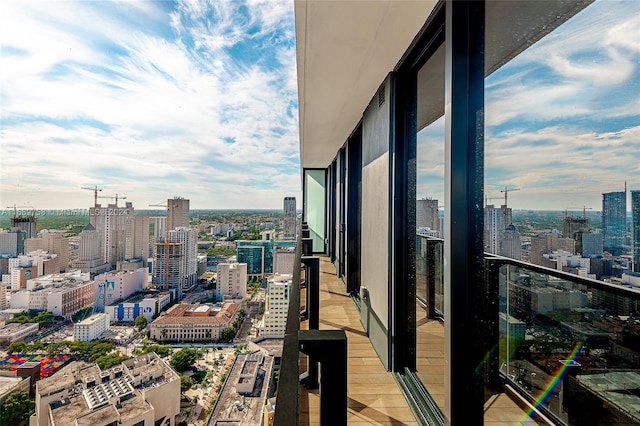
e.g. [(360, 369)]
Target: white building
[(91, 328), (31, 265), (289, 218), (232, 280), (116, 285), (60, 294), (115, 226), (140, 391), (277, 306), (147, 305), (15, 332), (188, 256)]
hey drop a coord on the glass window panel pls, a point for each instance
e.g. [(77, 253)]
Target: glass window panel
[(562, 120), (429, 226)]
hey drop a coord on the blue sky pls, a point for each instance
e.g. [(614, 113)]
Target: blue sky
[(149, 100), (562, 119)]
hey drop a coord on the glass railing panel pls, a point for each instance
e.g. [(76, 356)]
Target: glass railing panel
[(571, 345), (429, 316)]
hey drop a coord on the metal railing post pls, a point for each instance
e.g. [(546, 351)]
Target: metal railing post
[(312, 312), (329, 347)]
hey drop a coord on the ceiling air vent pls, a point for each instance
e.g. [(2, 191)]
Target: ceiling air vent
[(381, 96)]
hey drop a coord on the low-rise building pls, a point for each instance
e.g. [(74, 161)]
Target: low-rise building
[(91, 328), (60, 294), (147, 304), (15, 332), (194, 323), (140, 391)]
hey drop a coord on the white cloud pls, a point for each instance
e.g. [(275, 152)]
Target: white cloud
[(95, 95)]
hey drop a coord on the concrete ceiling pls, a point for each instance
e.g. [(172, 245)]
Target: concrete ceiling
[(345, 49)]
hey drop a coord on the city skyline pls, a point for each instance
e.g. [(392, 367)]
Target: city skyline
[(148, 99)]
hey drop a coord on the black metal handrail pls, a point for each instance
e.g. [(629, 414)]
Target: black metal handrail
[(287, 411)]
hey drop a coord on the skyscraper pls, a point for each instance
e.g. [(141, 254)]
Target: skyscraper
[(289, 218), (26, 223), (495, 222), (178, 212), (114, 224), (635, 221), (614, 219), (427, 214), (189, 240)]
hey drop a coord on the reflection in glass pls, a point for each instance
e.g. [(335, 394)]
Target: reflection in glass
[(429, 227), (573, 347)]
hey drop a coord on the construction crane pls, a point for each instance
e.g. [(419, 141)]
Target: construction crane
[(584, 210), (95, 190), (116, 198), (506, 192), (486, 200), (15, 209)]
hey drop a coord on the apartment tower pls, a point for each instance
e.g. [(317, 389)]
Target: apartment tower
[(289, 218), (614, 219)]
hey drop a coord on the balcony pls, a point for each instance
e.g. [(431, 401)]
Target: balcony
[(559, 382)]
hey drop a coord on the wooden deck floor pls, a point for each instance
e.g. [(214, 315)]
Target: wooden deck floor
[(374, 397)]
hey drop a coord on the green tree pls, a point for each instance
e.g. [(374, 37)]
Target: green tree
[(140, 322), (185, 383), (16, 408), (184, 359), (108, 361), (17, 348), (228, 334)]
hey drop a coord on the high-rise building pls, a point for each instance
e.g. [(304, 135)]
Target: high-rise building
[(26, 223), (427, 214), (53, 242), (511, 243), (114, 224), (168, 267), (12, 242), (178, 212), (188, 238), (258, 255), (159, 227), (138, 242), (614, 219), (277, 306), (635, 221), (289, 218), (232, 280), (495, 222), (592, 244), (573, 225)]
